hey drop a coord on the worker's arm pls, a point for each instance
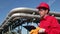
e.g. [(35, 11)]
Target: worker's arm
[(54, 27), (50, 26)]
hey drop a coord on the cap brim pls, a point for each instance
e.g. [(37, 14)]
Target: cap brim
[(40, 7)]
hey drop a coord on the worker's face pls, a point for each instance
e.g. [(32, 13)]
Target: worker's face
[(43, 12)]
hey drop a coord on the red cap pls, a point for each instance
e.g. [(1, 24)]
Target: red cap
[(43, 4)]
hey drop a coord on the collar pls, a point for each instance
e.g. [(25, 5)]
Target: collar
[(45, 17)]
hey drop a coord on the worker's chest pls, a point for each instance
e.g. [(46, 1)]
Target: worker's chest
[(45, 23)]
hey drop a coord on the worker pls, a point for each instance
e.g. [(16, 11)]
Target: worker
[(48, 24)]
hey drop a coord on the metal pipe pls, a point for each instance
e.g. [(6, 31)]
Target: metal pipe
[(2, 32), (23, 15)]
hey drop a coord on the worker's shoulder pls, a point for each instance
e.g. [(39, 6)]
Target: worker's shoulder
[(51, 17)]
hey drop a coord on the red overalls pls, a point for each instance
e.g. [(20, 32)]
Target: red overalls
[(50, 24)]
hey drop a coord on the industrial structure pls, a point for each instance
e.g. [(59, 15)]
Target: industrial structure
[(21, 17)]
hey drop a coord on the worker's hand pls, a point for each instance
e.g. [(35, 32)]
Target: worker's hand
[(35, 31), (41, 30)]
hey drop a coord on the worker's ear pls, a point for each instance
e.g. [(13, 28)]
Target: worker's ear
[(46, 11)]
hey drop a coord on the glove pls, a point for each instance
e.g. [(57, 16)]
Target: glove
[(35, 31), (41, 30)]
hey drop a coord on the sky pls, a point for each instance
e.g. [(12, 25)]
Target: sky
[(7, 5)]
